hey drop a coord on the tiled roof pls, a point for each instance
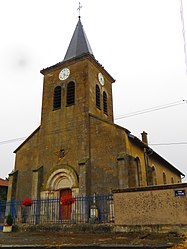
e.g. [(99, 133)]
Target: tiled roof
[(3, 183)]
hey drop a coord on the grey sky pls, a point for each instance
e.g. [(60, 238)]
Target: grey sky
[(139, 42)]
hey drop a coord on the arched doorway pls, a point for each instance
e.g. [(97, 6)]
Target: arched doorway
[(63, 182)]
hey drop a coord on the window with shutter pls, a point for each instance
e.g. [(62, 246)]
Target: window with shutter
[(105, 107), (98, 96), (57, 98), (70, 97)]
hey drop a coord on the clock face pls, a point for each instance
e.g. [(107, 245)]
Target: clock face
[(64, 74), (101, 79)]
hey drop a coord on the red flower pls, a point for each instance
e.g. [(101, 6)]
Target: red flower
[(67, 200), (27, 202)]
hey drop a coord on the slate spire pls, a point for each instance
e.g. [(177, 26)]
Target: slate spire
[(79, 43)]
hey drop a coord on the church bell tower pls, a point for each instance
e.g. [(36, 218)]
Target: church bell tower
[(76, 87)]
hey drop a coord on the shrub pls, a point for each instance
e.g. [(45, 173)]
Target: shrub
[(9, 220)]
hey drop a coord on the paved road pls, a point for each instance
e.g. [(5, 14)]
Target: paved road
[(88, 240)]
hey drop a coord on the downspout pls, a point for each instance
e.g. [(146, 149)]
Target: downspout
[(146, 158)]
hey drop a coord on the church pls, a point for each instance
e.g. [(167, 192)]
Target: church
[(78, 149)]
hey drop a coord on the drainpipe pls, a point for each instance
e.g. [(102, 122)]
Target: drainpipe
[(146, 158)]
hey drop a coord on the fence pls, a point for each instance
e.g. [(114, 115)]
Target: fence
[(2, 211), (83, 209)]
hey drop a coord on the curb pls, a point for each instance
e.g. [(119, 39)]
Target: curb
[(86, 246)]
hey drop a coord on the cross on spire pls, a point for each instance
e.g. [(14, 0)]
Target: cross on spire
[(79, 9)]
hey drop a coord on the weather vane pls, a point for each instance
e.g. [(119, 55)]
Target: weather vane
[(79, 9)]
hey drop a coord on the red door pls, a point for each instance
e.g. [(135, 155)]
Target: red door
[(65, 208)]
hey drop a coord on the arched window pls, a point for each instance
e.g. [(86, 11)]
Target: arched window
[(57, 98), (164, 178), (98, 97), (154, 175), (139, 172), (70, 97), (105, 106)]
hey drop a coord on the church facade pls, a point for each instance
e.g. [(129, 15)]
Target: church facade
[(78, 149)]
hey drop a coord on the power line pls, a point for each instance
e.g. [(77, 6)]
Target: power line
[(152, 109), (156, 108), (183, 33), (153, 144), (177, 143), (12, 140)]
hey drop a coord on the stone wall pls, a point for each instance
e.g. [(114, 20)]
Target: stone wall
[(151, 205)]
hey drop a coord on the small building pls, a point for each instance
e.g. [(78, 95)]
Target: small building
[(3, 198), (78, 149), (3, 189)]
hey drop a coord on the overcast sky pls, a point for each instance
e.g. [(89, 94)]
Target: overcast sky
[(139, 42)]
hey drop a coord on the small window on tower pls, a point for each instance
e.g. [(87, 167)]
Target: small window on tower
[(98, 96), (70, 97), (62, 153), (57, 98), (105, 107)]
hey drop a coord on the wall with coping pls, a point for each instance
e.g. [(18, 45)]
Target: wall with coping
[(151, 205)]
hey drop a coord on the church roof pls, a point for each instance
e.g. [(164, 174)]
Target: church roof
[(79, 43), (154, 154)]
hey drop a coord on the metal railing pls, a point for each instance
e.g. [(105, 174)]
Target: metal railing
[(84, 209), (2, 211)]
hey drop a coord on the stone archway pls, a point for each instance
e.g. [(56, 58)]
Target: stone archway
[(63, 178), (63, 181)]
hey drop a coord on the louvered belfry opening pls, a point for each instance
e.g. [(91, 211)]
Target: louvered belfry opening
[(57, 98), (98, 101), (70, 98), (105, 108)]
